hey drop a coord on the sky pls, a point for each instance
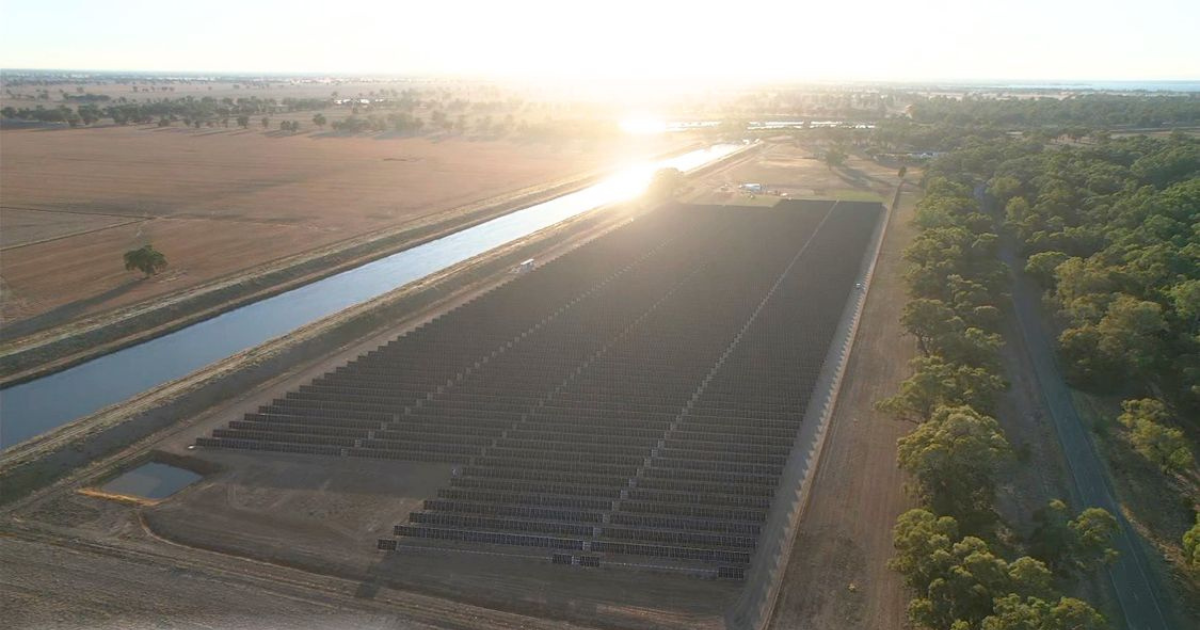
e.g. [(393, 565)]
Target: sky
[(639, 40)]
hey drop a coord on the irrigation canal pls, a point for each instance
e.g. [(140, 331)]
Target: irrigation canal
[(32, 408)]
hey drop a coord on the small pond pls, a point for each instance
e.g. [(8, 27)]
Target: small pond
[(151, 481)]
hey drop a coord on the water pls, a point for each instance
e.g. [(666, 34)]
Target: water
[(691, 125), (152, 481), (32, 408)]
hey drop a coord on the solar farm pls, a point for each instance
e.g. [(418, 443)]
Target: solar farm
[(631, 404)]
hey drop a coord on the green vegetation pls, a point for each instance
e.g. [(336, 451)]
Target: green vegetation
[(1191, 544), (1075, 115), (953, 456), (961, 584), (1113, 233), (665, 184), (950, 550), (1072, 546), (145, 259), (948, 124), (835, 156)]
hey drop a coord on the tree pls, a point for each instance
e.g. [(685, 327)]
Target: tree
[(953, 458), (243, 121), (970, 347), (319, 120), (936, 382), (266, 122), (922, 540), (835, 156), (1131, 329), (958, 581), (1011, 612), (145, 259), (1143, 409), (1164, 446), (665, 184), (1070, 547), (1042, 265), (1191, 544), (902, 172), (961, 584), (926, 318)]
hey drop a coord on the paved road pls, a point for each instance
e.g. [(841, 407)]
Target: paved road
[(1136, 588)]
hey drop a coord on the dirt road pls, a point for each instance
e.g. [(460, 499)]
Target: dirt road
[(1135, 585), (838, 576)]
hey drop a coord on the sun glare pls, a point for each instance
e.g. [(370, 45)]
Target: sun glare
[(643, 125), (629, 183)]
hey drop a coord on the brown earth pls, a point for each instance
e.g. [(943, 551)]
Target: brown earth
[(22, 226), (838, 577), (794, 171), (219, 202), (319, 514), (271, 514)]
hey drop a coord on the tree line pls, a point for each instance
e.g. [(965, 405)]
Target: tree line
[(954, 551), (1087, 110)]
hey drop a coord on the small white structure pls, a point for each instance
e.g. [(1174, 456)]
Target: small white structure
[(752, 188), (524, 267)]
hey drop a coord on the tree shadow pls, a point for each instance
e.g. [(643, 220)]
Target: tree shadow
[(858, 178), (64, 313)]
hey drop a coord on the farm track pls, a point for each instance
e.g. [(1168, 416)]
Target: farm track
[(837, 576), (1133, 582)]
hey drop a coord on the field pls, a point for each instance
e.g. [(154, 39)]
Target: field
[(838, 575), (221, 202), (325, 514), (794, 171)]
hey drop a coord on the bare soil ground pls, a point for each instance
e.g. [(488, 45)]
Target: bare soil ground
[(323, 515), (794, 171), (838, 577), (296, 519), (22, 226), (218, 202), (51, 587)]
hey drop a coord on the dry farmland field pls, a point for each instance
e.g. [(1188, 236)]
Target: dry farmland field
[(568, 439), (219, 202), (786, 170)]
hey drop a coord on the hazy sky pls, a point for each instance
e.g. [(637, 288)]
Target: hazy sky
[(638, 39)]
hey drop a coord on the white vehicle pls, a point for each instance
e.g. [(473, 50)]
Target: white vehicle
[(524, 267)]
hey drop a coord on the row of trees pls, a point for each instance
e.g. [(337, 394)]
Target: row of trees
[(1083, 110), (401, 122), (949, 549)]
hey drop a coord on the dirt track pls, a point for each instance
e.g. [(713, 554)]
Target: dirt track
[(1138, 591), (837, 577)]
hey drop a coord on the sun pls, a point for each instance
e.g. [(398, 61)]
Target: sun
[(642, 125)]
